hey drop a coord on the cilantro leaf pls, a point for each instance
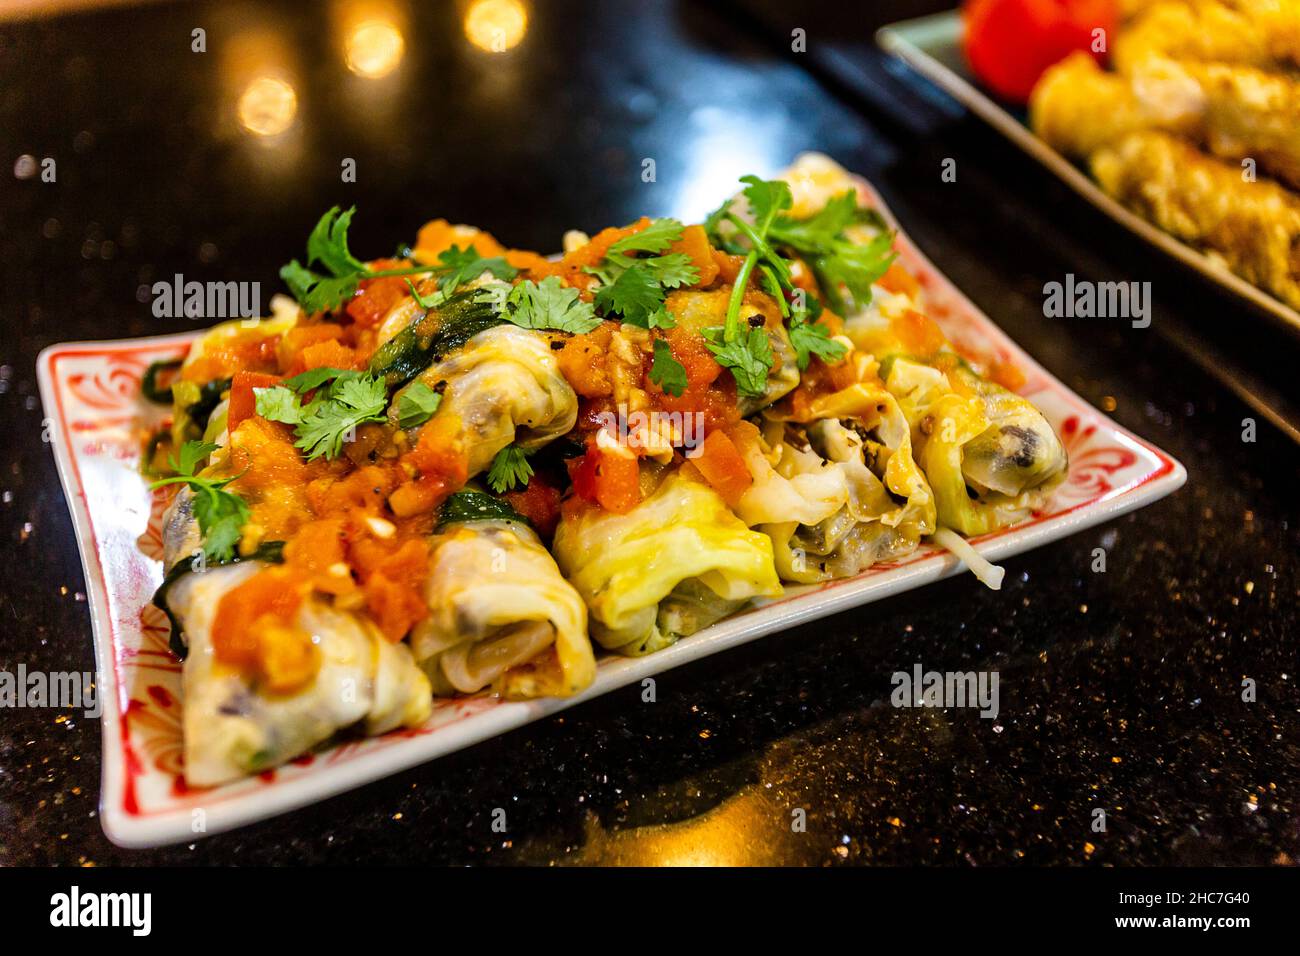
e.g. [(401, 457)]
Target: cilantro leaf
[(221, 514), (277, 404), (634, 294), (834, 259), (509, 468), (748, 357), (634, 287), (767, 197), (666, 372), (465, 265), (312, 378), (192, 452), (417, 405), (549, 305), (315, 292), (331, 420), (656, 237), (328, 243), (661, 318), (810, 338)]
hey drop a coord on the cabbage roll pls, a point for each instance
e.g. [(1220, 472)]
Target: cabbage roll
[(674, 564), (500, 614), (990, 456), (233, 726), (841, 496), (504, 386)]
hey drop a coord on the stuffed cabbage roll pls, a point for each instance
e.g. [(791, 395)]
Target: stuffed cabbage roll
[(990, 455), (318, 671), (235, 725), (500, 614), (675, 563), (504, 385), (841, 496)]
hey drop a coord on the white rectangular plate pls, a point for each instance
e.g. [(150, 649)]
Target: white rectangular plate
[(91, 393), (932, 46)]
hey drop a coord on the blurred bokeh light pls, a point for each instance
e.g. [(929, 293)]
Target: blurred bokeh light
[(496, 25)]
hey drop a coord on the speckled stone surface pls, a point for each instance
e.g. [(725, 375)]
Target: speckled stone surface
[(1119, 690)]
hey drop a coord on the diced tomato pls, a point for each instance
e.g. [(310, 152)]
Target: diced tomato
[(437, 236), (316, 551), (918, 333), (440, 463), (374, 299), (1010, 43), (694, 244), (243, 402), (728, 265), (287, 657), (539, 502), (250, 350), (722, 467), (394, 607), (364, 489), (607, 477), (582, 361), (276, 592), (690, 350), (327, 354), (899, 281)]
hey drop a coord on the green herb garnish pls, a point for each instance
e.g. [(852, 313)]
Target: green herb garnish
[(334, 413), (810, 337), (328, 246), (666, 372), (221, 514), (634, 286), (834, 259), (548, 305), (328, 421), (509, 468), (417, 404)]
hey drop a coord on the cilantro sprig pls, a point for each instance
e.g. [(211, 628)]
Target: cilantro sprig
[(458, 266), (328, 246), (509, 468), (809, 337), (636, 273), (746, 351), (221, 514), (835, 260), (351, 399), (543, 305)]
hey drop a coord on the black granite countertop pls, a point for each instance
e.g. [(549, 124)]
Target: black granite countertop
[(1119, 690)]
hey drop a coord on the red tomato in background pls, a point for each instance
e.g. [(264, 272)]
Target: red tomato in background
[(1009, 43)]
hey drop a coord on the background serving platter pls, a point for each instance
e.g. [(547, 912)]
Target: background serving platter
[(91, 394), (932, 46)]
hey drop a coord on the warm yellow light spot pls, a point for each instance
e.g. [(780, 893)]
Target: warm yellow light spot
[(375, 48), (267, 106), (496, 25)]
